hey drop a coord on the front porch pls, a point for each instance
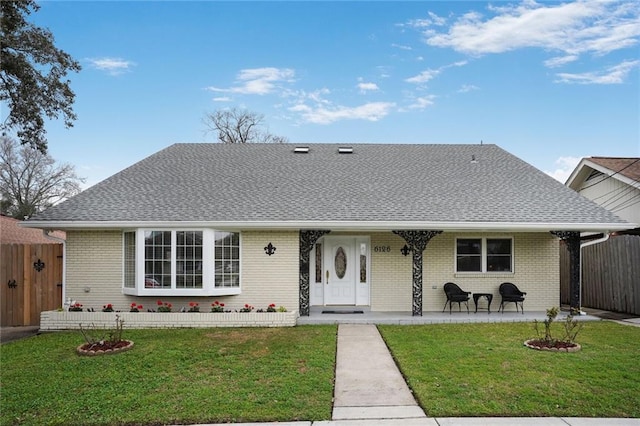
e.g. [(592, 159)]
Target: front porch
[(407, 318)]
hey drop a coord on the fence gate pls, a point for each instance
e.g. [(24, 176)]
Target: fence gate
[(30, 282)]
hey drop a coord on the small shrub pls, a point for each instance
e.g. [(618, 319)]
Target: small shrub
[(76, 307), (164, 306), (107, 308), (247, 308), (107, 336), (194, 307), (571, 328), (217, 307), (135, 307)]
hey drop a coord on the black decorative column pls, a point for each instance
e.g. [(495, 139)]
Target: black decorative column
[(307, 241), (417, 242), (572, 240)]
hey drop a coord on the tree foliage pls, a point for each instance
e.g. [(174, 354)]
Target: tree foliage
[(30, 181), (240, 126), (32, 75)]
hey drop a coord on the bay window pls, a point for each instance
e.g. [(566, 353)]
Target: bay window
[(163, 262), (484, 255)]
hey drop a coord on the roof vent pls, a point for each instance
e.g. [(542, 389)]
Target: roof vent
[(345, 150), (301, 150)]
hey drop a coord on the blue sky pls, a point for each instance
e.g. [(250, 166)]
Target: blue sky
[(550, 82)]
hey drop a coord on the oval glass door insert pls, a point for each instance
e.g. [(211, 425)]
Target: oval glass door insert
[(340, 262)]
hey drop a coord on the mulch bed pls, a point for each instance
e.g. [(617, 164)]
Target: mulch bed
[(104, 348), (555, 346)]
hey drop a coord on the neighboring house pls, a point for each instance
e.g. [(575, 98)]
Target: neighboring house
[(30, 273), (612, 182), (371, 225), (12, 233), (611, 271)]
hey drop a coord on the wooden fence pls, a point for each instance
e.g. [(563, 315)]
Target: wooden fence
[(30, 282), (610, 275)]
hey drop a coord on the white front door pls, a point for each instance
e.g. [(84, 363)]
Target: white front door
[(340, 271)]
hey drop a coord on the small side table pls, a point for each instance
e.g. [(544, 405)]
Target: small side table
[(487, 296)]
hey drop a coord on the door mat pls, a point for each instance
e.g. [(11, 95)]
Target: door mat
[(343, 312)]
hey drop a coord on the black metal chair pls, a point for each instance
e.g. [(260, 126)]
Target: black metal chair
[(455, 295), (511, 293)]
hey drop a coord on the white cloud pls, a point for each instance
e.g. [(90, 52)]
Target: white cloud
[(422, 102), (222, 99), (423, 77), (468, 88), (368, 87), (372, 111), (565, 165), (612, 75), (113, 66), (430, 74), (573, 28), (432, 20), (401, 47), (560, 60), (258, 81)]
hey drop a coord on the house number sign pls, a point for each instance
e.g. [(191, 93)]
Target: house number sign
[(382, 249)]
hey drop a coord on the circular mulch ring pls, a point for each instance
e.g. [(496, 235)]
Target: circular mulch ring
[(88, 349), (543, 345)]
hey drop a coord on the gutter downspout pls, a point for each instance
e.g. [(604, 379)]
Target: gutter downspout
[(45, 233), (587, 244)]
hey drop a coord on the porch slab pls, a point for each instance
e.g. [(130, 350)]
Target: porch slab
[(405, 318)]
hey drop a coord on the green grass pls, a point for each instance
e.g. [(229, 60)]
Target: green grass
[(484, 370), (283, 374), (172, 377)]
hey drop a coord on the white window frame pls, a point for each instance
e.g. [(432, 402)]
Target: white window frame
[(208, 267), (483, 255)]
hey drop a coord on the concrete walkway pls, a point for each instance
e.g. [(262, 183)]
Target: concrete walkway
[(368, 383)]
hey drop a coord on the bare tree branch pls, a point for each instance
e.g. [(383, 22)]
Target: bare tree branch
[(240, 126), (30, 181)]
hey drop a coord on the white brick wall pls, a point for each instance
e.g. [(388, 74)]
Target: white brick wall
[(54, 320), (94, 262), (94, 269), (536, 271), (269, 279)]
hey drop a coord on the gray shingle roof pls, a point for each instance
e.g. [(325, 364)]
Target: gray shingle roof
[(270, 183)]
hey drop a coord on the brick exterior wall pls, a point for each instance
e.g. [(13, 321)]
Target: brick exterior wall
[(94, 269), (269, 279), (536, 271), (94, 263), (53, 320)]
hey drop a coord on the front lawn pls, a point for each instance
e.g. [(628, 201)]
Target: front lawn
[(172, 377), (484, 370)]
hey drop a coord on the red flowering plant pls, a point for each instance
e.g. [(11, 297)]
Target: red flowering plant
[(246, 308), (107, 308), (164, 306), (217, 307), (271, 307), (135, 307), (194, 307), (75, 307)]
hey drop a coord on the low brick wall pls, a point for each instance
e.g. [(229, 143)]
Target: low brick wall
[(61, 320)]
